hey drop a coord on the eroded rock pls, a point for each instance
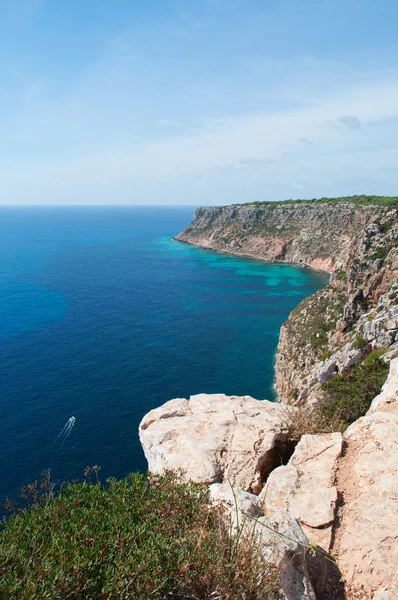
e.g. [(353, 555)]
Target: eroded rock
[(306, 486), (242, 505), (367, 539), (387, 400), (215, 438), (277, 533)]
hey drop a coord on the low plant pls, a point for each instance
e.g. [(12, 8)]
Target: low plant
[(350, 394), (359, 343), (139, 538)]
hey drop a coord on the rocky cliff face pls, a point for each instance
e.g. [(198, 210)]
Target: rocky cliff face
[(325, 492), (333, 331), (337, 493)]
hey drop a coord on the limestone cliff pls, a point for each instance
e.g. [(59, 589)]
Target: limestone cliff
[(337, 493), (355, 240)]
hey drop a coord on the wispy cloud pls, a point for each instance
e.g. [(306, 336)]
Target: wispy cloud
[(351, 122)]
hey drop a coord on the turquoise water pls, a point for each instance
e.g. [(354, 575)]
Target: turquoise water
[(104, 317)]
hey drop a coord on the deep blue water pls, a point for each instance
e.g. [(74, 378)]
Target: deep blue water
[(104, 317)]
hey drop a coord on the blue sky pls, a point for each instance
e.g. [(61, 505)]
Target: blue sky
[(196, 101)]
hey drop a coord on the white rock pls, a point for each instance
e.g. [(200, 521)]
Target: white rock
[(388, 397), (278, 534), (242, 505), (306, 487), (368, 535), (214, 438), (327, 371), (285, 545), (386, 594)]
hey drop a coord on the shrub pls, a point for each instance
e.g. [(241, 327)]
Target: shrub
[(138, 538), (390, 202), (380, 253), (302, 420), (326, 354), (351, 394), (320, 338), (360, 343), (340, 275)]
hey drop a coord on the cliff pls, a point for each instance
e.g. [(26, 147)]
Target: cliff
[(330, 493), (315, 482), (355, 240)]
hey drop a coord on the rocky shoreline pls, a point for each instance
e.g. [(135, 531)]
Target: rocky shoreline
[(323, 504), (356, 244)]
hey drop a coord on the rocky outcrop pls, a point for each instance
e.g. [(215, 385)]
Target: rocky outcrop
[(216, 438), (306, 486), (332, 331), (278, 534), (387, 400), (367, 538), (240, 505), (337, 493), (317, 236)]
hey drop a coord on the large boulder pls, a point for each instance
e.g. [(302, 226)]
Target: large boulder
[(276, 533), (242, 506), (306, 486), (382, 330), (214, 438), (285, 545)]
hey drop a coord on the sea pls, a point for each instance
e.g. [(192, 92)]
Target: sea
[(103, 317)]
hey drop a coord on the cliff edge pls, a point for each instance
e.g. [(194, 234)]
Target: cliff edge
[(334, 331)]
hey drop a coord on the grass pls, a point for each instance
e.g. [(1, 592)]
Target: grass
[(350, 394), (302, 420), (139, 538)]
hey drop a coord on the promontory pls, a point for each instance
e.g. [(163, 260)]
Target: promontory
[(320, 467)]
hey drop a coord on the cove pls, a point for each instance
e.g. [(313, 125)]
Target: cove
[(104, 317)]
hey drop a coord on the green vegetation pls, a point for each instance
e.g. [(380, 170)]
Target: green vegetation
[(322, 328), (340, 275), (380, 253), (140, 538), (389, 201), (310, 330), (351, 394), (386, 226), (360, 343), (326, 354)]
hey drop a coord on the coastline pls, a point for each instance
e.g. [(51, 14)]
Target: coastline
[(258, 258), (277, 397)]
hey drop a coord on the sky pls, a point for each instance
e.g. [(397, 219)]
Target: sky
[(197, 102)]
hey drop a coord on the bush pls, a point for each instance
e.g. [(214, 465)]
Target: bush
[(320, 338), (360, 343), (138, 538), (351, 394)]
